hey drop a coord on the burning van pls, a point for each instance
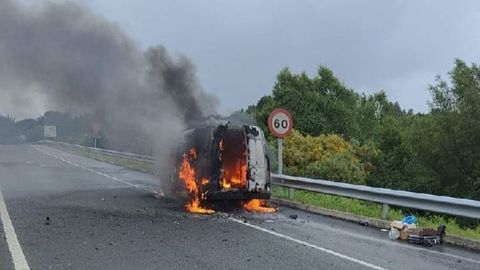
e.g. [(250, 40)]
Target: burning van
[(223, 162)]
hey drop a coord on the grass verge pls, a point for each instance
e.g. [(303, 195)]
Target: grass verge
[(132, 164)]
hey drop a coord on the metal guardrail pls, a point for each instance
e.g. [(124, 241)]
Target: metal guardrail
[(422, 201), (434, 203)]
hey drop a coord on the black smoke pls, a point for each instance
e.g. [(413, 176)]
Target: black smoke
[(61, 56)]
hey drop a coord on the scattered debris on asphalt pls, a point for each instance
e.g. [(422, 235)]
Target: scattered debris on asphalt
[(47, 222), (427, 232), (293, 216), (428, 237), (409, 219), (363, 223), (158, 194), (394, 234), (406, 229)]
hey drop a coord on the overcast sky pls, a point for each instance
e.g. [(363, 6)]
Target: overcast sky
[(239, 46)]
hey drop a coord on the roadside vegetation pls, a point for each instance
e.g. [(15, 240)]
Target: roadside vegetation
[(135, 165)]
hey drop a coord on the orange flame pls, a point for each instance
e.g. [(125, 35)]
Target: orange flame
[(234, 170), (187, 175), (257, 205)]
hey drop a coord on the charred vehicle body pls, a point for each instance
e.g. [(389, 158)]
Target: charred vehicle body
[(223, 162)]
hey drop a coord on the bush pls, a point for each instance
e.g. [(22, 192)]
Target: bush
[(328, 157)]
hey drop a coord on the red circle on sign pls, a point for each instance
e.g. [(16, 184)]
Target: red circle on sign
[(280, 123)]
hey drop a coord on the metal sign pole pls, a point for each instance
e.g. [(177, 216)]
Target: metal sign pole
[(280, 156), (280, 165)]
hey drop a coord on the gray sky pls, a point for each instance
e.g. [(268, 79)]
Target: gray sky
[(239, 46)]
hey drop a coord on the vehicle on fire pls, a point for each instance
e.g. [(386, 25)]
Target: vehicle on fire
[(224, 162)]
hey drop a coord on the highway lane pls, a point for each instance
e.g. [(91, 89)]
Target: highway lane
[(70, 212)]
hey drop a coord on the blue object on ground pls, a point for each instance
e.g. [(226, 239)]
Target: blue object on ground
[(411, 219)]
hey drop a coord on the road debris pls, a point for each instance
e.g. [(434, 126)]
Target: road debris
[(428, 237), (406, 229), (428, 232), (409, 219), (293, 216), (394, 234)]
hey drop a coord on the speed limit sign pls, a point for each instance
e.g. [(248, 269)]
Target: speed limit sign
[(280, 123)]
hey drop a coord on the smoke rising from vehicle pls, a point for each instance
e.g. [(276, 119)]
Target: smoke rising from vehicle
[(61, 56)]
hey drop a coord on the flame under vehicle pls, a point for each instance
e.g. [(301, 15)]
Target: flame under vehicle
[(223, 162)]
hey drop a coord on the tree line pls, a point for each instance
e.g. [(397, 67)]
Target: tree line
[(70, 128), (343, 135)]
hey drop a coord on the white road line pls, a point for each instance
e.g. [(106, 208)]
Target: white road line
[(93, 171), (18, 258), (331, 252)]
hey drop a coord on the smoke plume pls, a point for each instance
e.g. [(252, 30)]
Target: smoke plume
[(61, 56)]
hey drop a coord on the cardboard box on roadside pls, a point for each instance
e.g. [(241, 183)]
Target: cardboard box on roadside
[(397, 225), (408, 230), (405, 229)]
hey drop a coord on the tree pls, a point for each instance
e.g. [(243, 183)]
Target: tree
[(454, 151), (321, 104)]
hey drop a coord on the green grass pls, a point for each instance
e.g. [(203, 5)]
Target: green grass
[(135, 165), (374, 210)]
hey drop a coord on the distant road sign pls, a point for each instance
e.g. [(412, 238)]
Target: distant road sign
[(50, 131), (280, 123)]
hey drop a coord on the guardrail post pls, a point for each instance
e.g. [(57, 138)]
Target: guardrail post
[(291, 191), (384, 211)]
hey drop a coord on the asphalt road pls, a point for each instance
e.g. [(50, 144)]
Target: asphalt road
[(70, 212)]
